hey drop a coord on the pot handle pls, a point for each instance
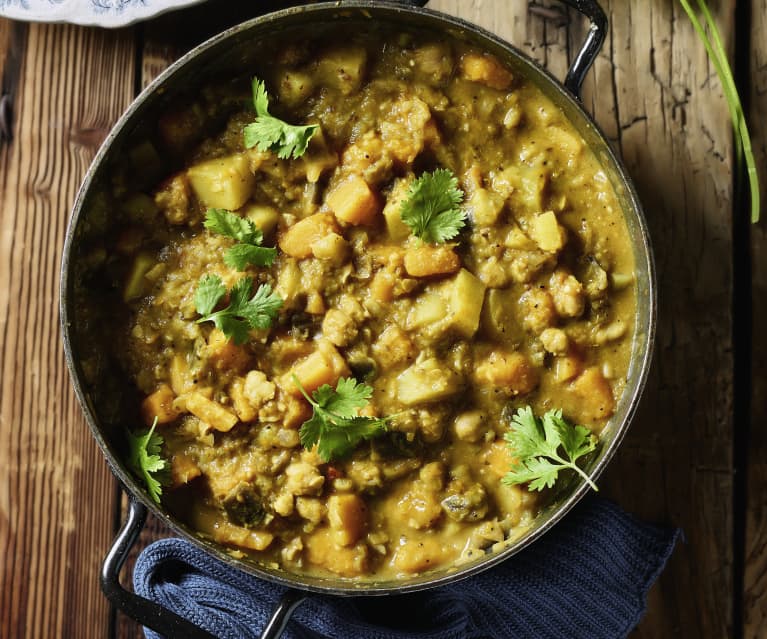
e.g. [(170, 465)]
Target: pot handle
[(153, 615), (594, 40)]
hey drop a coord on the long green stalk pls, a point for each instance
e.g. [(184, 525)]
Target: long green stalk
[(716, 52)]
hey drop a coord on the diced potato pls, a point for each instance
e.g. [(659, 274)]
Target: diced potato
[(223, 183), (464, 294), (298, 239), (347, 515), (332, 247), (414, 556), (429, 308), (395, 227), (425, 261), (469, 426), (593, 398), (547, 233), (499, 317), (294, 87), (511, 372), (382, 286), (181, 377), (427, 381), (484, 207), (419, 508), (159, 405), (342, 68), (315, 304), (516, 239), (347, 561), (136, 284), (393, 347), (227, 533), (224, 354), (212, 413), (324, 366), (263, 216), (353, 201), (487, 70), (183, 469), (567, 367)]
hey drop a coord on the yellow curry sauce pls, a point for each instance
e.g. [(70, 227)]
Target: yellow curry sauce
[(533, 303)]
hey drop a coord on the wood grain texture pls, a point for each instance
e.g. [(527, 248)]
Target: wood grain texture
[(56, 494), (755, 577)]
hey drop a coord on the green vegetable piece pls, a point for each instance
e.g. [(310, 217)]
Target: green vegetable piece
[(335, 428), (242, 314), (536, 444), (432, 209), (144, 458), (272, 134), (718, 55), (244, 231)]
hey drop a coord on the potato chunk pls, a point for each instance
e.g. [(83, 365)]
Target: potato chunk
[(353, 201), (298, 239), (426, 261), (593, 397), (414, 556), (347, 515), (224, 355), (487, 70), (323, 366), (223, 183), (465, 295), (427, 381), (546, 232), (207, 410), (347, 561), (160, 405), (511, 372)]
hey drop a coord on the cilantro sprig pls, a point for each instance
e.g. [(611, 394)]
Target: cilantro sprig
[(272, 134), (144, 458), (536, 444), (244, 231), (335, 427), (243, 312), (432, 208)]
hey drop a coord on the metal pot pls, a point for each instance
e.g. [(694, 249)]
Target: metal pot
[(230, 51)]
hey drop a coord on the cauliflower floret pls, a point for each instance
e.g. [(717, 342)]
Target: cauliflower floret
[(303, 479)]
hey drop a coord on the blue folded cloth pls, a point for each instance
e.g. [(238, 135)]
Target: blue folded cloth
[(586, 578)]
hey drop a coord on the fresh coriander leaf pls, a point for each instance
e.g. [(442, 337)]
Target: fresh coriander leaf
[(242, 314), (240, 255), (232, 225), (249, 250), (432, 209), (272, 134), (536, 444), (334, 427), (209, 292), (144, 457)]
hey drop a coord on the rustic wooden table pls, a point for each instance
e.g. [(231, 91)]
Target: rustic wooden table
[(696, 456)]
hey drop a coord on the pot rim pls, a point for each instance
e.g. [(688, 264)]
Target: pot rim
[(536, 74)]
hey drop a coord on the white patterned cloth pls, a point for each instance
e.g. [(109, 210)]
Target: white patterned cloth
[(103, 13)]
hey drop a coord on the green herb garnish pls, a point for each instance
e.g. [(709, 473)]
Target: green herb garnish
[(272, 134), (432, 209), (335, 427), (536, 444), (144, 458), (243, 313), (249, 236), (718, 57)]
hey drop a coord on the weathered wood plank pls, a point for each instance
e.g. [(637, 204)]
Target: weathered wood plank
[(755, 578), (56, 494)]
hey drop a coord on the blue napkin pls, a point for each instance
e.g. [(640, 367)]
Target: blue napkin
[(586, 578)]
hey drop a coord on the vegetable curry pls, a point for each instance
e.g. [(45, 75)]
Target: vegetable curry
[(364, 259)]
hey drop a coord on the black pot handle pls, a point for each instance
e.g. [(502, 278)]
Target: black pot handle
[(594, 40), (153, 615)]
